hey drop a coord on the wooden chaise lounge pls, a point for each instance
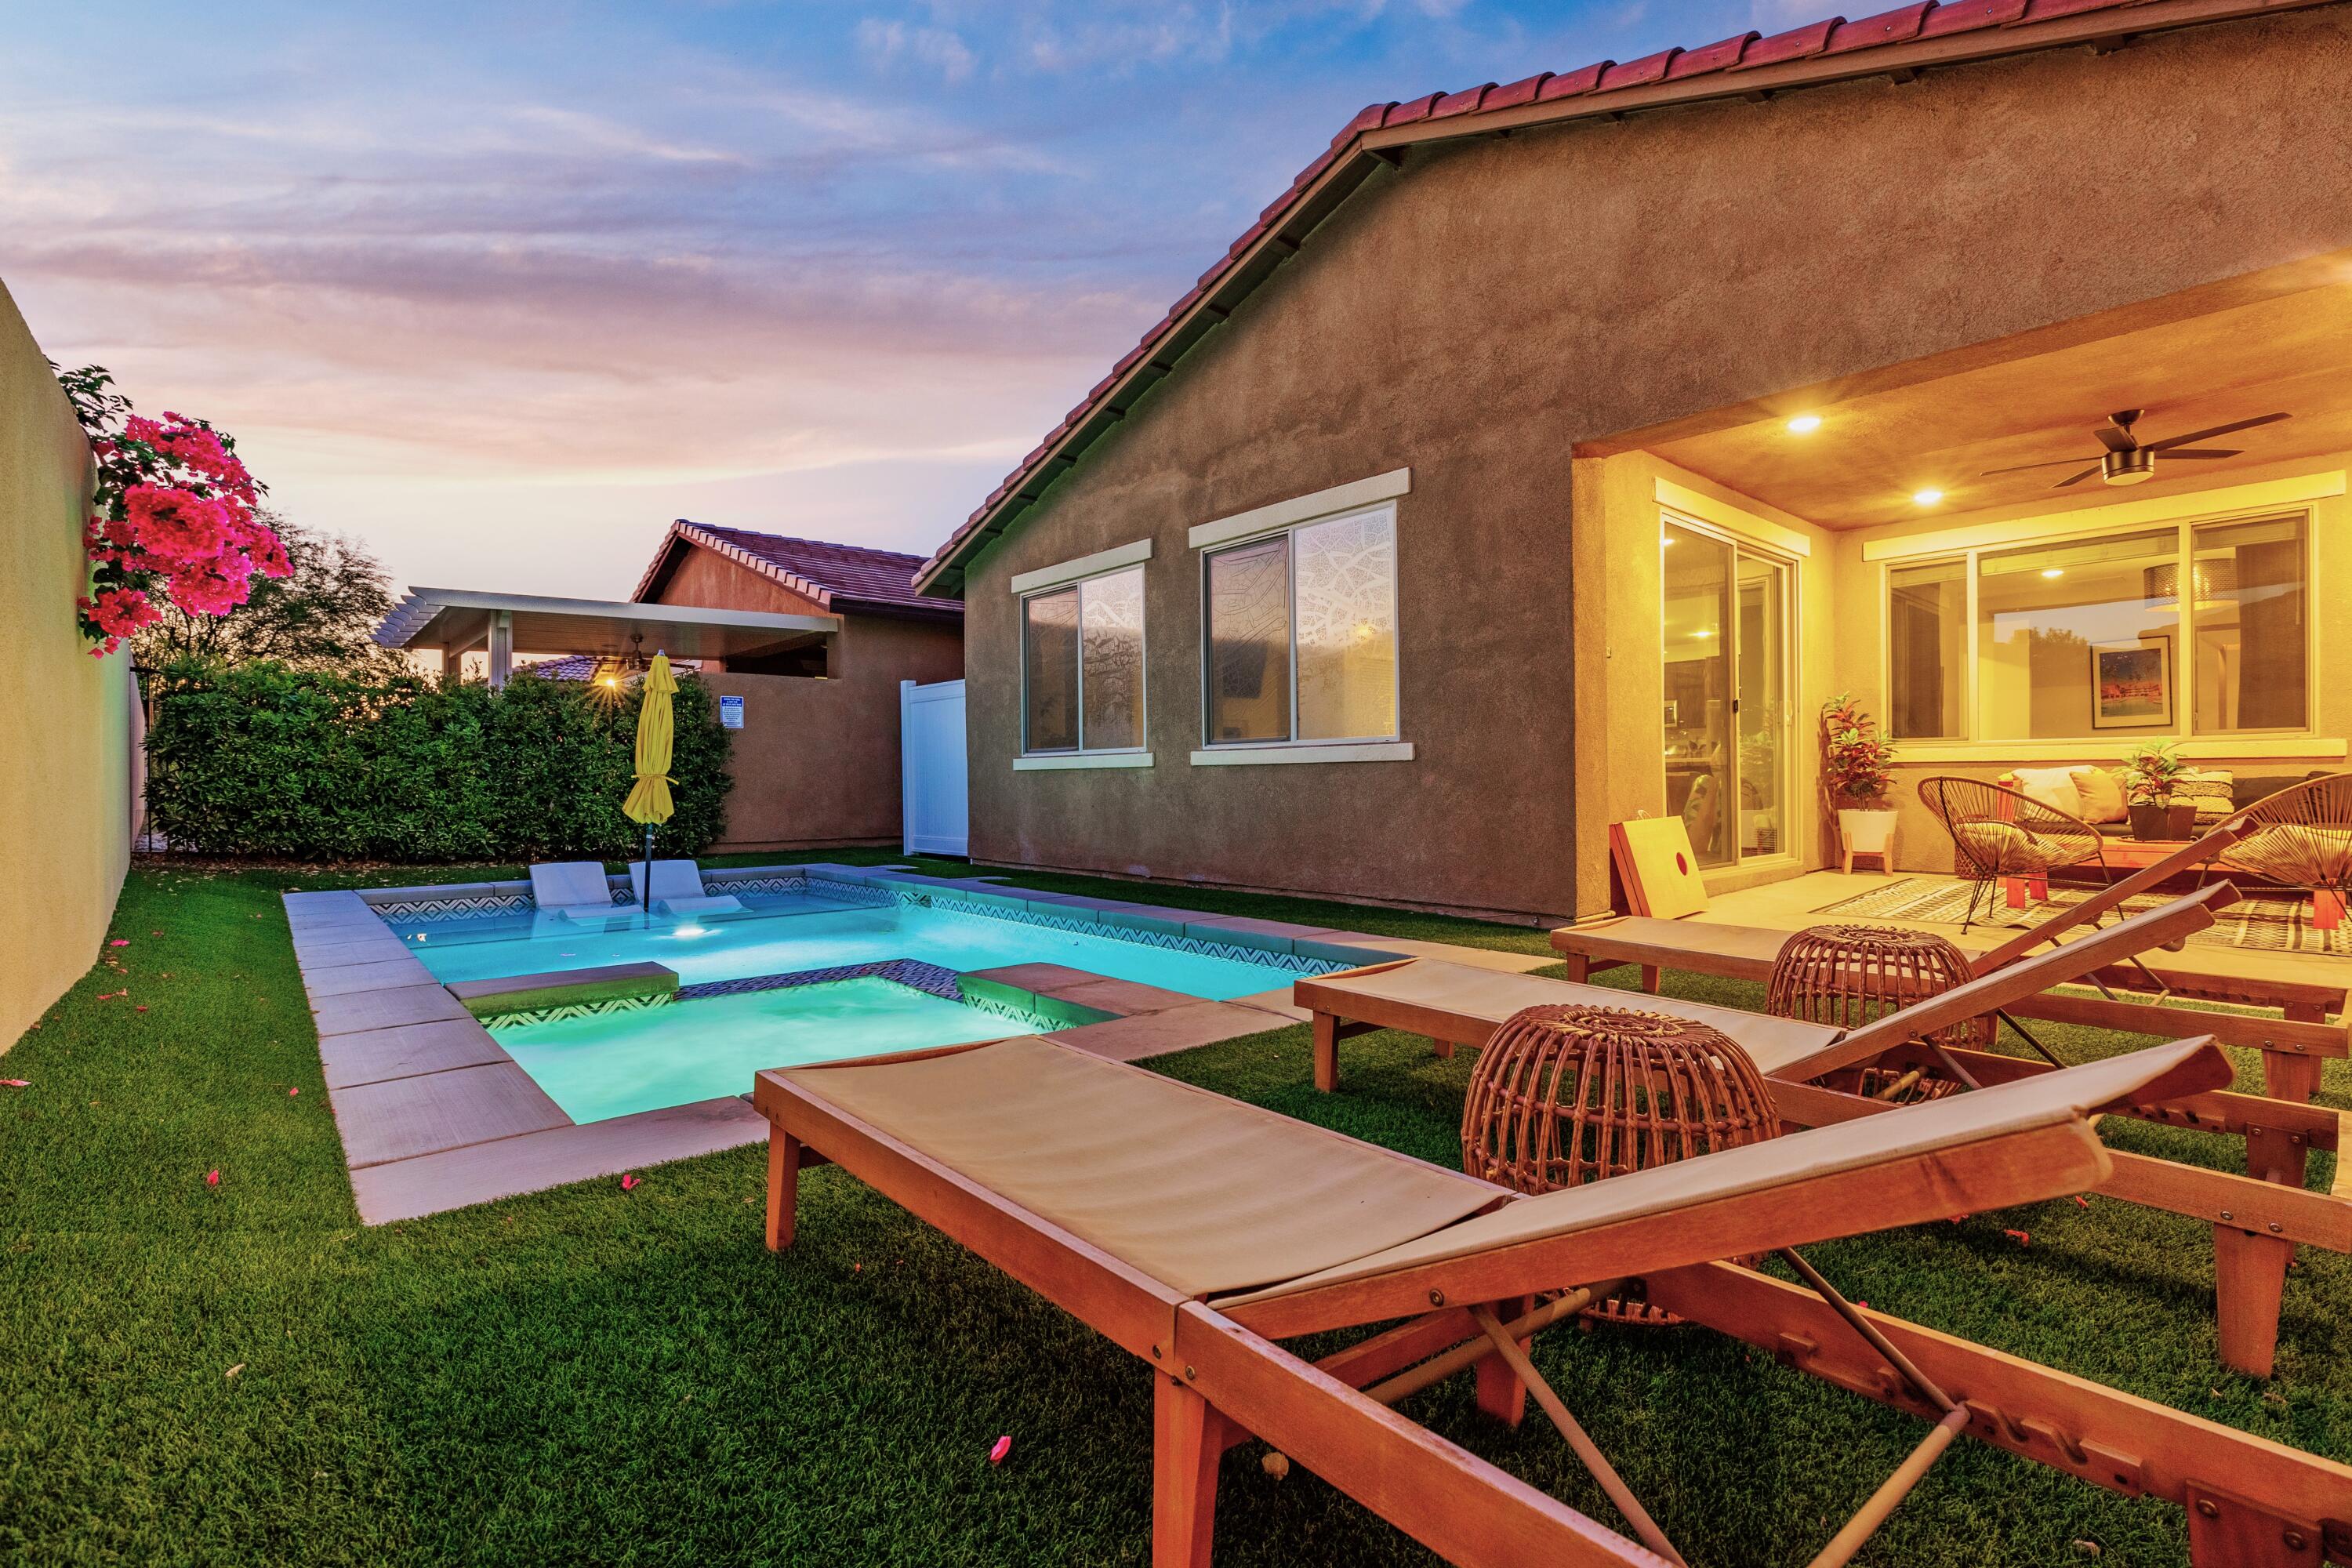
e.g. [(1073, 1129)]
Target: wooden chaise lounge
[(1193, 1232), (2293, 1044), (2257, 1223)]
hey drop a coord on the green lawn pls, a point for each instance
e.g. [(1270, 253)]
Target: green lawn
[(589, 1377)]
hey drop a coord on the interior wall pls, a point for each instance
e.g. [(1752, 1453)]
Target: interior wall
[(1860, 621), (65, 718)]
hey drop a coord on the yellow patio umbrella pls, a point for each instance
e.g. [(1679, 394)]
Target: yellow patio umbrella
[(648, 799)]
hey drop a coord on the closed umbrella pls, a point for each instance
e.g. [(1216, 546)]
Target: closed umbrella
[(648, 799)]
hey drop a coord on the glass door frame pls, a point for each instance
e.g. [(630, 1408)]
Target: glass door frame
[(1741, 546)]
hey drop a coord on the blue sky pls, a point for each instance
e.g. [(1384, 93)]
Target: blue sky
[(500, 288)]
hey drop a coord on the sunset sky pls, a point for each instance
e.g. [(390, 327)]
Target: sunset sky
[(501, 289)]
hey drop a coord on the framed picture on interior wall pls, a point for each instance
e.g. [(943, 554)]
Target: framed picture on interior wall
[(2131, 685)]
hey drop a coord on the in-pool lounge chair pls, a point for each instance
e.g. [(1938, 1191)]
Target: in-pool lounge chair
[(2257, 1223), (575, 890), (1193, 1232), (2293, 1046), (678, 890)]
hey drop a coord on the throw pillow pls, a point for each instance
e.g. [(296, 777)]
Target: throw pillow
[(2211, 790), (2102, 795), (2053, 787)]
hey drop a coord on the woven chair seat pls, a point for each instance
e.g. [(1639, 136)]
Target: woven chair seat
[(2005, 849), (2296, 852)]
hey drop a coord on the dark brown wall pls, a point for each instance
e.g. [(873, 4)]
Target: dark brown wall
[(816, 763), (1476, 315)]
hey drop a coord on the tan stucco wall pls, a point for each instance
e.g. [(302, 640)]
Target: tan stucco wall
[(65, 717), (1861, 631), (816, 763), (1478, 314)]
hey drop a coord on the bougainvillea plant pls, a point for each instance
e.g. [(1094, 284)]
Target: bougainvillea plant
[(172, 516), (1854, 757)]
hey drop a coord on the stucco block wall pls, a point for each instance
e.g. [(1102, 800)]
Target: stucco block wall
[(816, 763), (65, 717), (1485, 313)]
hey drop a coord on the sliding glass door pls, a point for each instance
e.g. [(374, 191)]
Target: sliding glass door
[(1725, 637)]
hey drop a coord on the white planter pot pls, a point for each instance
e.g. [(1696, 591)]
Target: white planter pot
[(1866, 832)]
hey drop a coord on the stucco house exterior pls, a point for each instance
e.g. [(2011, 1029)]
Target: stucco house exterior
[(1551, 450)]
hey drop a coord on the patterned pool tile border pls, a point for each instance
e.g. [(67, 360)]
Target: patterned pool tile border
[(908, 972), (495, 1022)]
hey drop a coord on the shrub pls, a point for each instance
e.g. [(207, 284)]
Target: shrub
[(260, 760)]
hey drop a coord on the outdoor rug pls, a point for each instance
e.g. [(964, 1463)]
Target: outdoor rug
[(2268, 921)]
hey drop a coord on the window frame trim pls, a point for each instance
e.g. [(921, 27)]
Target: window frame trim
[(1968, 548), (1386, 504), (1058, 757)]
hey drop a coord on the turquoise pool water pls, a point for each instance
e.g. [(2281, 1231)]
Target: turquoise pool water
[(699, 1048), (825, 938), (610, 1064)]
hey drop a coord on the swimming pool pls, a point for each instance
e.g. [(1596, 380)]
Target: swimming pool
[(790, 933), (767, 988)]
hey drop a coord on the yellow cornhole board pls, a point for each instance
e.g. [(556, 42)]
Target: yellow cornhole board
[(1655, 863)]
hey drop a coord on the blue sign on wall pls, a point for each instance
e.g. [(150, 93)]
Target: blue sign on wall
[(730, 712)]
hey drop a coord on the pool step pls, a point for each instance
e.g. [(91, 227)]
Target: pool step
[(559, 992)]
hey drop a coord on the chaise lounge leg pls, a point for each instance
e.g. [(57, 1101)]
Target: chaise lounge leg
[(1187, 1438), (783, 1186), (2248, 1278), (1502, 1392), (2290, 1075), (1327, 1051)]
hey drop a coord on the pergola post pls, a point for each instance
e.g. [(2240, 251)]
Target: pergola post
[(501, 647)]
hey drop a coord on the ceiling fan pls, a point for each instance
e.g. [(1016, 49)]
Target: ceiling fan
[(2128, 461)]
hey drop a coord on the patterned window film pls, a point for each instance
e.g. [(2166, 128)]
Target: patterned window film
[(1302, 634), (1082, 666)]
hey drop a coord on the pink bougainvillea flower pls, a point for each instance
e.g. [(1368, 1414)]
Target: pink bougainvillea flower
[(213, 588), (2021, 1237), (212, 1177), (628, 1183), (120, 942), (173, 524), (998, 1450), (292, 1092)]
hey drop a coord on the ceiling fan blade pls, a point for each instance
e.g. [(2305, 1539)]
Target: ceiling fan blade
[(2195, 435), (2053, 463), (2172, 452), (2077, 478), (2115, 438)]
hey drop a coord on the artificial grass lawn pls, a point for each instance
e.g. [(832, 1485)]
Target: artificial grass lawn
[(583, 1375)]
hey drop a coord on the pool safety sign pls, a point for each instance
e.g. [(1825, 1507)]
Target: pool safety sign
[(730, 712)]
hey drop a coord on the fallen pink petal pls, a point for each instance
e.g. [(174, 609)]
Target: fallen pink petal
[(212, 1177), (628, 1183), (1001, 1447), (2022, 1239), (15, 1083), (120, 942)]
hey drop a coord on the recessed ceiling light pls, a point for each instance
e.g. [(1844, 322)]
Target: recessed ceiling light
[(1927, 497), (2053, 571), (1805, 423), (1703, 632)]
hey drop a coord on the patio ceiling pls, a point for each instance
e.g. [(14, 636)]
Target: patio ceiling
[(2271, 340), (460, 618)]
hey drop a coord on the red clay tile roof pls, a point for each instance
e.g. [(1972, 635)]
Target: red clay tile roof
[(837, 576), (1900, 43)]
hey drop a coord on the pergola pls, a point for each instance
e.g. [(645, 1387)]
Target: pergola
[(456, 621)]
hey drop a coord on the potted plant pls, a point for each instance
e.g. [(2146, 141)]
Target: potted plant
[(2150, 771), (1854, 762)]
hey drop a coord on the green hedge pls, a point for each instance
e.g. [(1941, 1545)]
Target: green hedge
[(263, 760)]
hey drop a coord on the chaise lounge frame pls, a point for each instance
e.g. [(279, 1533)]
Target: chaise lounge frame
[(2257, 1220), (1219, 1378), (2293, 1044)]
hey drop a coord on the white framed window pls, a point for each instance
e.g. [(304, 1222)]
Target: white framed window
[(1082, 672), (1298, 655), (2093, 637)]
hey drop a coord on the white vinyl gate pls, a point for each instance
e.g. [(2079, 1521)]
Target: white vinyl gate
[(935, 801)]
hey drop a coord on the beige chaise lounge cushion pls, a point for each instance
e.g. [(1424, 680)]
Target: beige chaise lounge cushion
[(2024, 1105), (1490, 996), (1202, 1192)]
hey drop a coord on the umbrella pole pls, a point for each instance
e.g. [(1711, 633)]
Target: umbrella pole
[(648, 899)]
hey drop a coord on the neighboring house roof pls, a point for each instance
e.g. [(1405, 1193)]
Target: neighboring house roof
[(837, 576), (1899, 43), (583, 667)]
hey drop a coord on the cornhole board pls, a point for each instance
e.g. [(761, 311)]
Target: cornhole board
[(1655, 864)]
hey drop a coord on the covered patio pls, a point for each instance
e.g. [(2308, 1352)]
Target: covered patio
[(455, 622)]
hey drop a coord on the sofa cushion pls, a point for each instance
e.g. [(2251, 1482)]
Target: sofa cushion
[(2210, 790), (2052, 787), (2261, 787)]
